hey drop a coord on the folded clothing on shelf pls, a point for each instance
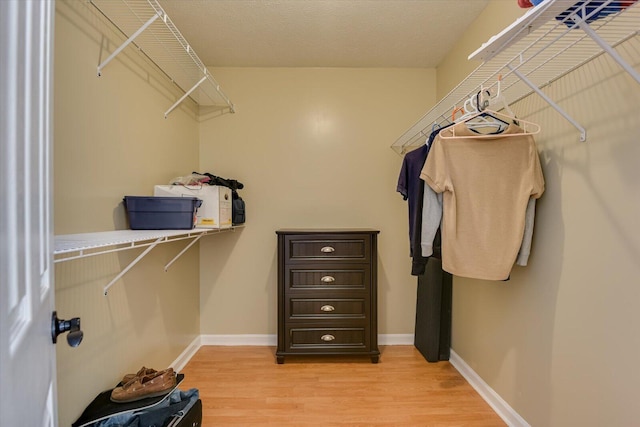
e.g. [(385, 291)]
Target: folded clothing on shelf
[(592, 9)]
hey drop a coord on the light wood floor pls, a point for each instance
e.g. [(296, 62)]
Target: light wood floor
[(245, 386)]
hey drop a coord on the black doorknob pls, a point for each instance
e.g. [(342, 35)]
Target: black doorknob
[(75, 335)]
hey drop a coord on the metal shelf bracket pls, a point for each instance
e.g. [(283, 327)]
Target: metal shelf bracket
[(193, 242), (182, 98), (607, 48), (126, 43), (130, 266), (536, 89)]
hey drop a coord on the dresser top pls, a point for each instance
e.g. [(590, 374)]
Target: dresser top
[(326, 231)]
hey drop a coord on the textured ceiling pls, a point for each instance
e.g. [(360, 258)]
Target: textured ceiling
[(322, 33)]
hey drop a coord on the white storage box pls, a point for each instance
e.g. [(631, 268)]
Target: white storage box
[(215, 211)]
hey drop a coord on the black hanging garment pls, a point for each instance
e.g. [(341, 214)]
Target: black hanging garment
[(411, 187)]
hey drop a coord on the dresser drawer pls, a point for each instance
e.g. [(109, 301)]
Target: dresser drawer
[(329, 308), (332, 277), (328, 339), (326, 247)]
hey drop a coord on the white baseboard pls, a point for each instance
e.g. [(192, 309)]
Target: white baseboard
[(245, 339), (502, 408), (395, 339), (187, 354)]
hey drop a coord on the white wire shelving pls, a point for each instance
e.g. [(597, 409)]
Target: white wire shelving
[(149, 28), (70, 247), (549, 41)]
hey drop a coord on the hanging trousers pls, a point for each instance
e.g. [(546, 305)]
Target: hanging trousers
[(433, 312)]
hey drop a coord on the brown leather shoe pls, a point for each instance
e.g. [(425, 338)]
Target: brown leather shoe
[(155, 384), (142, 372)]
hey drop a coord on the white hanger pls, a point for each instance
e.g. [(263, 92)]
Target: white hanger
[(469, 108), (528, 128), (499, 100), (472, 109)]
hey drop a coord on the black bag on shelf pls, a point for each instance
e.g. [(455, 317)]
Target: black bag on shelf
[(237, 209)]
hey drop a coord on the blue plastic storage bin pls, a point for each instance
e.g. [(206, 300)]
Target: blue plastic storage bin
[(161, 213)]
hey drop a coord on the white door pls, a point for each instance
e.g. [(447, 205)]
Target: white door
[(27, 355)]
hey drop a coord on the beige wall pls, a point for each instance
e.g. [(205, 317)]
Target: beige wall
[(312, 147), (111, 140), (558, 341), (455, 66)]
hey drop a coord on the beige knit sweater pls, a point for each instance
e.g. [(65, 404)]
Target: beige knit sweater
[(486, 185)]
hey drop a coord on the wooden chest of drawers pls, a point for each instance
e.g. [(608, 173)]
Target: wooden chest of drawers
[(327, 293)]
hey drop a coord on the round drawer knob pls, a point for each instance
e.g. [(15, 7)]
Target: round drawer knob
[(327, 337), (327, 308), (327, 279), (327, 249)]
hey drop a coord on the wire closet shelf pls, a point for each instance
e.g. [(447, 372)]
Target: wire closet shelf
[(549, 41), (70, 247), (149, 28)]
